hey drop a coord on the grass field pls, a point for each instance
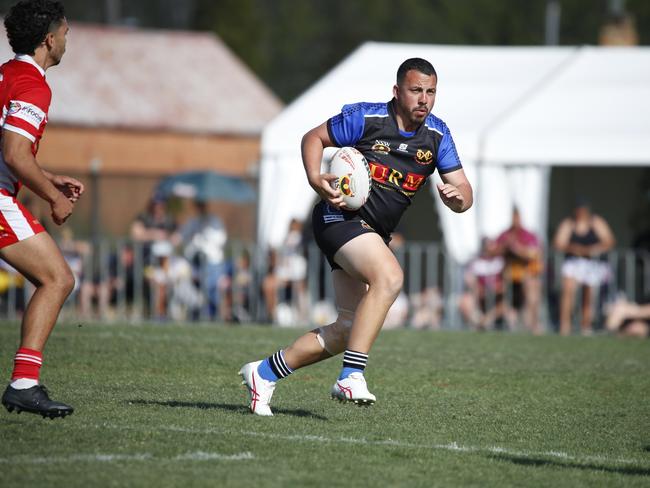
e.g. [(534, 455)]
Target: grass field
[(162, 406)]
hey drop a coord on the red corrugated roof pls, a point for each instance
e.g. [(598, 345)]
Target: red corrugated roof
[(153, 80)]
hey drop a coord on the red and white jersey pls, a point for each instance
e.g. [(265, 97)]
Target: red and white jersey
[(25, 98)]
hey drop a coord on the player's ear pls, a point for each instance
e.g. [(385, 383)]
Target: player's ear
[(49, 40), (395, 90)]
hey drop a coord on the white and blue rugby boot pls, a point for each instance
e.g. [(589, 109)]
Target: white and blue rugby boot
[(259, 389), (353, 389)]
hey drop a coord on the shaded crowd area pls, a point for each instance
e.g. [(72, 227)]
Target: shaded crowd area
[(578, 283)]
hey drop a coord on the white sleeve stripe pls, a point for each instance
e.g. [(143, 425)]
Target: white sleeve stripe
[(435, 130), (20, 131)]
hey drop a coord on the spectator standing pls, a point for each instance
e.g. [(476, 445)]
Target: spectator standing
[(585, 239), (524, 265)]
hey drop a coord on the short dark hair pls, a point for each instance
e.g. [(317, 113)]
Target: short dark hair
[(418, 64), (29, 21)]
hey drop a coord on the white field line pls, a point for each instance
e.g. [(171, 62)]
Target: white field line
[(453, 446), (111, 458)]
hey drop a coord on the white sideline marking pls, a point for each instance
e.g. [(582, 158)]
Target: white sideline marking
[(453, 446), (110, 458), (75, 458), (209, 456)]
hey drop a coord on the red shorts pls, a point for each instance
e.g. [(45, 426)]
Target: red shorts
[(16, 222)]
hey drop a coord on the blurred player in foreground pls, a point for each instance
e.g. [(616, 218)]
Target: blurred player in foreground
[(36, 30), (404, 144)]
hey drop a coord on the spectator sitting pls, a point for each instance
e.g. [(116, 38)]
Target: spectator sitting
[(483, 304), (427, 309), (629, 319), (524, 265), (204, 237), (155, 224), (242, 280), (170, 276), (584, 238)]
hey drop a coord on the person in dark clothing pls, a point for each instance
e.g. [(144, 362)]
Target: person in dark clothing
[(584, 238)]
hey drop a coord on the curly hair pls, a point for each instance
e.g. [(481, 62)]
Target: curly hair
[(29, 21)]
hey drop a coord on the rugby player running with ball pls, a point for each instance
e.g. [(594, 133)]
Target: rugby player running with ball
[(404, 144)]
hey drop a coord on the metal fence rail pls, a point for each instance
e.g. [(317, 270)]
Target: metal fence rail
[(130, 282)]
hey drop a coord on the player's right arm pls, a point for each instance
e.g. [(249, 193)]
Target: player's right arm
[(17, 154), (313, 143)]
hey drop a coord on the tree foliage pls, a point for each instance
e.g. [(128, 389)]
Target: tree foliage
[(291, 43)]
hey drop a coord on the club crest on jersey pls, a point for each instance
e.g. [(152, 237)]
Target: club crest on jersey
[(423, 157), (345, 185), (14, 108), (381, 147)]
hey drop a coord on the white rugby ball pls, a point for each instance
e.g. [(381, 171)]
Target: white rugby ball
[(353, 176)]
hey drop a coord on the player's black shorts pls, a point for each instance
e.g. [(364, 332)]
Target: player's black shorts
[(334, 227)]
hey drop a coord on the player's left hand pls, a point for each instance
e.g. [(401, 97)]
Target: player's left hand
[(70, 187), (451, 196)]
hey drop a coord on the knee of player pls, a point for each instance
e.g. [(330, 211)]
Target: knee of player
[(63, 280), (345, 318), (67, 282), (389, 283), (334, 337)]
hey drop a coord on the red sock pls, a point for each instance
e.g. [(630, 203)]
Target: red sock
[(27, 364)]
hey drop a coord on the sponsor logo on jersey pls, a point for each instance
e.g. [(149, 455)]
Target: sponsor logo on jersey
[(408, 183), (28, 112), (423, 157), (403, 147), (381, 147)]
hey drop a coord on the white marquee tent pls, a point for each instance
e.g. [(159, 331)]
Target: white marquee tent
[(513, 112)]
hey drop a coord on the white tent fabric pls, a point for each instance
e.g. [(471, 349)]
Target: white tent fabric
[(481, 90), (594, 110)]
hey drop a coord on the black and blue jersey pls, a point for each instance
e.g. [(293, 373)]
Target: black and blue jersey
[(400, 162)]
